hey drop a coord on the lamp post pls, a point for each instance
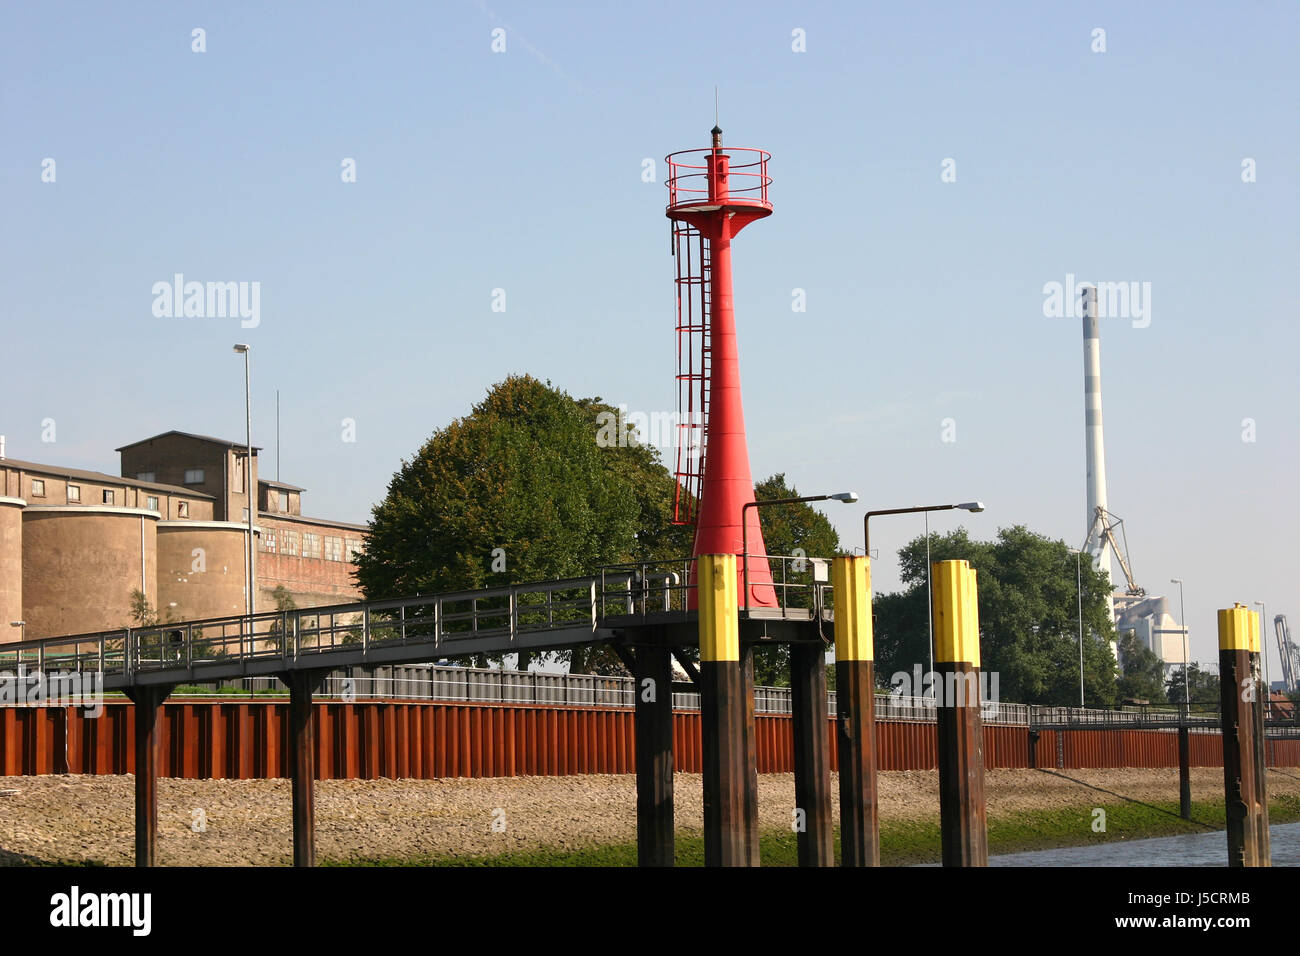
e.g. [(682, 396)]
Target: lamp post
[(22, 636), (971, 506), (1182, 613), (1263, 659), (808, 716), (246, 350), (1078, 590), (848, 497)]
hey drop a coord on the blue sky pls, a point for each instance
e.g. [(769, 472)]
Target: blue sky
[(522, 171)]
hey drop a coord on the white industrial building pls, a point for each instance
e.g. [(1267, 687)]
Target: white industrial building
[(1149, 617)]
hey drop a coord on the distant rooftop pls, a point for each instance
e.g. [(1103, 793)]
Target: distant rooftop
[(271, 483), (206, 438), (303, 519), (58, 471)]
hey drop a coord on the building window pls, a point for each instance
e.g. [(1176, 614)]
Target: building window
[(310, 545), (151, 502), (267, 542), (290, 543), (108, 498), (193, 476), (38, 488), (183, 510), (354, 547), (283, 497), (333, 548), (74, 492), (146, 476)]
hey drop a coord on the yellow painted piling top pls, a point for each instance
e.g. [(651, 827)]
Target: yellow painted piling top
[(956, 613), (719, 608), (851, 578), (1238, 629)]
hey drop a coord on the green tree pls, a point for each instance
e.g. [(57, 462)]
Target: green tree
[(521, 490), (1028, 607), (1203, 688), (798, 530), (142, 612), (283, 599), (1141, 673)]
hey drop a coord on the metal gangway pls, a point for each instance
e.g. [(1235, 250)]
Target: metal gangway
[(542, 616)]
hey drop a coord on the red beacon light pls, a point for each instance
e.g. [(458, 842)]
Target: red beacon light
[(713, 193)]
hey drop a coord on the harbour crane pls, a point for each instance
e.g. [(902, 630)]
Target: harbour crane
[(1104, 526), (1289, 653)]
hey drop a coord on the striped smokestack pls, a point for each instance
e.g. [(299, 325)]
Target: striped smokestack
[(1097, 545)]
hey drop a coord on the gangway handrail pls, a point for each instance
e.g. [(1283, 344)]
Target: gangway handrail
[(438, 621)]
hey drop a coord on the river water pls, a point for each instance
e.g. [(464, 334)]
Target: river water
[(1192, 849)]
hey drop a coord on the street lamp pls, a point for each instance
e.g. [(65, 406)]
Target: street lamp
[(1078, 586), (246, 350), (848, 497), (1263, 657), (22, 636), (1182, 613), (971, 506)]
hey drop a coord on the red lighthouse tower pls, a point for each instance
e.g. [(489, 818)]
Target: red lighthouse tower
[(712, 195)]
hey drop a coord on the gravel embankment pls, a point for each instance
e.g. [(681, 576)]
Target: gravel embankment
[(72, 819)]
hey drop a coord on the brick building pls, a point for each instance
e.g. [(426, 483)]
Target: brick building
[(74, 544)]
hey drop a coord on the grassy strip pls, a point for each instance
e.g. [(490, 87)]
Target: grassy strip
[(904, 842)]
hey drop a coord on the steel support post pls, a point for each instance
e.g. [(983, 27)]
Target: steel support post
[(722, 713), (812, 757), (963, 822), (1241, 707), (654, 755), (302, 745), (855, 713), (750, 753), (148, 710), (1184, 773)]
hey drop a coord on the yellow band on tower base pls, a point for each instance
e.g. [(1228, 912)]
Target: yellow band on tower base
[(851, 577), (1238, 629), (719, 608), (956, 613)]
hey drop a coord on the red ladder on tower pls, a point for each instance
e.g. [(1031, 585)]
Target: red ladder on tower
[(691, 251)]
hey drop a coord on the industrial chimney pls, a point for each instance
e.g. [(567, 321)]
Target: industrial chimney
[(1098, 545)]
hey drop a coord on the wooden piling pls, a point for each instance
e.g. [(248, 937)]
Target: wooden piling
[(722, 714), (855, 720), (654, 756), (963, 822), (1240, 691)]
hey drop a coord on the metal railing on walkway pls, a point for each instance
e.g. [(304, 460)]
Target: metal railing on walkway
[(492, 621)]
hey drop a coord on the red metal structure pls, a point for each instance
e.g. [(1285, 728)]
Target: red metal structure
[(242, 740), (712, 195)]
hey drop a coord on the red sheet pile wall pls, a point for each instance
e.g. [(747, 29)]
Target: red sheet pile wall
[(436, 739)]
